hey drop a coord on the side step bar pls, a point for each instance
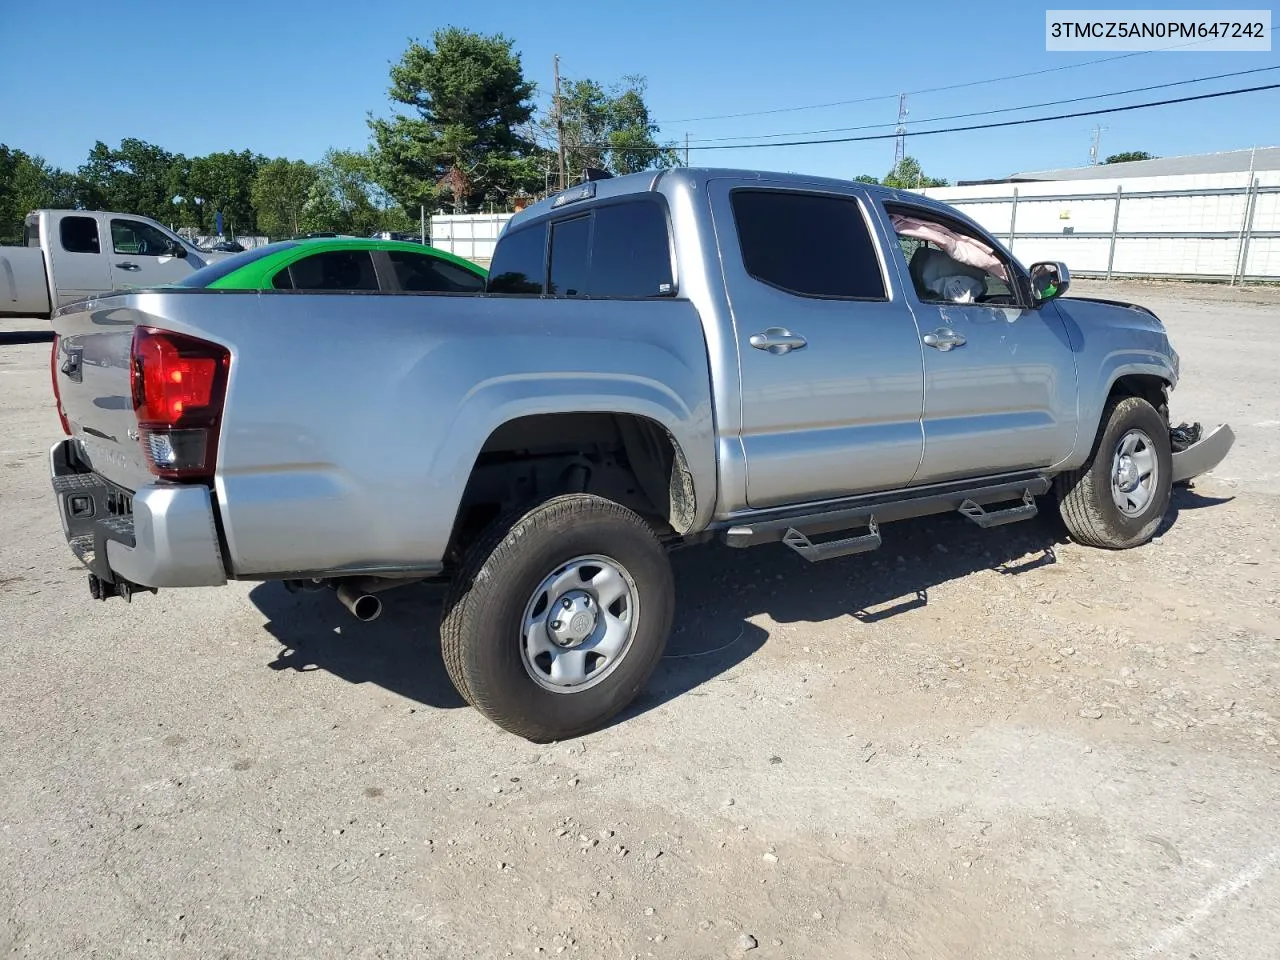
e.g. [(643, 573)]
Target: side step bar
[(797, 529), (987, 519), (830, 549)]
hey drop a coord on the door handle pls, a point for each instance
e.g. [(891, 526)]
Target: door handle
[(944, 338), (128, 266), (777, 340)]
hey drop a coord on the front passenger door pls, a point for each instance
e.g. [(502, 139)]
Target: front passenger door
[(1000, 378), (142, 256)]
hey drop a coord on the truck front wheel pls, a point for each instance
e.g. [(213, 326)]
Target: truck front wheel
[(1120, 495), (557, 618)]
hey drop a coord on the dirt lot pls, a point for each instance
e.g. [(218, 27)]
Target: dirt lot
[(966, 745)]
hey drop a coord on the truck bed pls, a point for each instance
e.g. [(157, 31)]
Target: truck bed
[(352, 421), (24, 283)]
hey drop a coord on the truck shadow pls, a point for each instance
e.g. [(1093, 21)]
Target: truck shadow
[(16, 338), (726, 600)]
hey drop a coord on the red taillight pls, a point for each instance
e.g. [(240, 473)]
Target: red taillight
[(57, 393), (179, 384)]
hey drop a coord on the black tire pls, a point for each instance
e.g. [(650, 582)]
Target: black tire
[(1085, 500), (480, 630)]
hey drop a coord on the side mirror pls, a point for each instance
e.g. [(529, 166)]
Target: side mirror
[(1049, 280), (177, 249)]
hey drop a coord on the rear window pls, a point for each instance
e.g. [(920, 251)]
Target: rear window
[(31, 232), (814, 245), (518, 264), (630, 251), (335, 270), (570, 257), (79, 235), (424, 273), (611, 251), (222, 268)]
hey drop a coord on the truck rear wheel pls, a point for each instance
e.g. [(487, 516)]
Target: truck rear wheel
[(558, 618), (1120, 495)]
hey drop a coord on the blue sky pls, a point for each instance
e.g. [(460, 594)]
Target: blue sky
[(291, 78)]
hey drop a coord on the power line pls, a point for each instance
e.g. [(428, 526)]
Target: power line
[(987, 113), (912, 93), (986, 126)]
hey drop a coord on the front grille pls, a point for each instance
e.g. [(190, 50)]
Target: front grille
[(119, 504)]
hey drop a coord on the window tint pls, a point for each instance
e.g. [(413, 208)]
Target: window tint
[(80, 235), (570, 257), (630, 252), (335, 270), (282, 280), (31, 232), (517, 265), (423, 273), (138, 239), (817, 246)]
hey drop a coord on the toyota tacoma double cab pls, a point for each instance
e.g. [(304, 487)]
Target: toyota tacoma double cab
[(657, 360)]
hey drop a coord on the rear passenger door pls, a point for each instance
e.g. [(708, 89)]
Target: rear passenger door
[(829, 354), (76, 259)]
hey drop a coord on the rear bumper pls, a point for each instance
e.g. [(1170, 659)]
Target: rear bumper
[(1203, 455), (157, 536)]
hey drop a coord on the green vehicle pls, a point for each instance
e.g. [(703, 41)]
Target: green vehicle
[(342, 263)]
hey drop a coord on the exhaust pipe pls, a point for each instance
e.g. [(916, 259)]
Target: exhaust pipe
[(363, 606)]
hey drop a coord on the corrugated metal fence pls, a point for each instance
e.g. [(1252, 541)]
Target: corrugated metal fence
[(1203, 227), (470, 235)]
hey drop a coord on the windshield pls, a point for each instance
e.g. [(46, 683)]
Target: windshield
[(216, 271)]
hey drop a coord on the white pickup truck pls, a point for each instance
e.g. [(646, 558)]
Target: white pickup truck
[(68, 255)]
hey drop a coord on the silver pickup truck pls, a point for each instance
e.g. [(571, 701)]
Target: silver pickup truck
[(68, 255), (659, 359)]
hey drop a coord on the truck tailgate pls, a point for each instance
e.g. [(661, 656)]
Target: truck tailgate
[(24, 284), (91, 365)]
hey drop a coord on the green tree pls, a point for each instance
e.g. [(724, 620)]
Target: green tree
[(280, 192), (866, 178), (1128, 156), (28, 183), (908, 175), (347, 197), (220, 182), (466, 96), (134, 178), (608, 129)]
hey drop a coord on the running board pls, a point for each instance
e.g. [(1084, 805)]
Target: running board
[(830, 549), (987, 519), (802, 525)]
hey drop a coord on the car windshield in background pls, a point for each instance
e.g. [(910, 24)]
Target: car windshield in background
[(223, 268)]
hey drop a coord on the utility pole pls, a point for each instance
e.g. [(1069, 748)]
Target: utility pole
[(686, 149), (900, 142), (560, 126), (1094, 147)]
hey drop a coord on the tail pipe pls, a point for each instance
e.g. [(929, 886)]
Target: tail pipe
[(363, 606)]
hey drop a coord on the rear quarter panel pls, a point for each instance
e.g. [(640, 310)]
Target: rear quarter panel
[(353, 420)]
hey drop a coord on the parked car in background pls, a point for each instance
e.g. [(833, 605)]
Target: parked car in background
[(226, 246), (343, 263), (397, 235), (68, 255)]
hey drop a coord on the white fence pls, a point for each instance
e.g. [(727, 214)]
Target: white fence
[(1204, 227), (469, 235)]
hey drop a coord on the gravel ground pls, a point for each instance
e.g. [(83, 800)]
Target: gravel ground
[(965, 745)]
